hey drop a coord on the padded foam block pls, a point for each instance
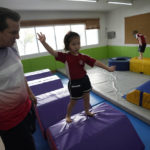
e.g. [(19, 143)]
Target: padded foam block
[(52, 107), (44, 85), (140, 65), (140, 96), (121, 63), (109, 129), (134, 97), (38, 74)]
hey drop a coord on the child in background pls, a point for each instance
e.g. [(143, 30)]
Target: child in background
[(142, 42), (79, 84)]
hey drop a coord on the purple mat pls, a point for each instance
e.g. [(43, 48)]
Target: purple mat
[(38, 74), (109, 129), (44, 85), (52, 106)]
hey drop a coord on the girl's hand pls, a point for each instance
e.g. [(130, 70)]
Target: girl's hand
[(112, 68), (41, 37)]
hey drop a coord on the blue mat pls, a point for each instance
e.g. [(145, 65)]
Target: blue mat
[(141, 128)]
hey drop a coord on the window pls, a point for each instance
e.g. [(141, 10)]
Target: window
[(60, 32), (80, 29), (50, 37), (29, 44), (92, 36)]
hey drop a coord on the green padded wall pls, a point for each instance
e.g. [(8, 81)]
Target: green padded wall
[(39, 63), (50, 62), (97, 53), (126, 51)]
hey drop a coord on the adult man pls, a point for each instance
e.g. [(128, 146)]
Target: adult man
[(17, 119)]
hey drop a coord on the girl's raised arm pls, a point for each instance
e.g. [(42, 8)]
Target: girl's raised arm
[(42, 39)]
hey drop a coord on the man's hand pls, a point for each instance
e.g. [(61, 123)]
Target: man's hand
[(33, 99)]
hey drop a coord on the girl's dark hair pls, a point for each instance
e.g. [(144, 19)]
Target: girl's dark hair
[(6, 13), (134, 32), (68, 37)]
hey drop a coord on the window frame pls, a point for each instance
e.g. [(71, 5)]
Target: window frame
[(30, 24)]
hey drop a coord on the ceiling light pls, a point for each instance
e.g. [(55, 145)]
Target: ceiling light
[(120, 2), (83, 0)]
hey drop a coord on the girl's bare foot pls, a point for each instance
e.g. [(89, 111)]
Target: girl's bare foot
[(68, 120), (89, 114), (139, 57)]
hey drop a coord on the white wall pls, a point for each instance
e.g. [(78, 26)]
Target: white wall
[(115, 20), (111, 21)]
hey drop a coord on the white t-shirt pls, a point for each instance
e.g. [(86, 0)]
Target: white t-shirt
[(13, 91)]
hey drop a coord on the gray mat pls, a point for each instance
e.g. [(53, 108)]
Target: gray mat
[(112, 86)]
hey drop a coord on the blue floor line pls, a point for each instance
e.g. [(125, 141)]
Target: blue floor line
[(40, 142)]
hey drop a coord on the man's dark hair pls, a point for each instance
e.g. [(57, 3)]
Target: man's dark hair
[(6, 13), (68, 37)]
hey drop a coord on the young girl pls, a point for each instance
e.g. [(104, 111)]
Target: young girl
[(79, 84)]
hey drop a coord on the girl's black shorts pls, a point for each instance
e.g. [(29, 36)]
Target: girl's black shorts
[(142, 48), (78, 87)]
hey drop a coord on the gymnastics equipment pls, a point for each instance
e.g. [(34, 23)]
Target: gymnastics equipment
[(140, 65), (52, 98), (43, 81), (121, 63), (109, 129), (52, 107), (38, 74), (140, 96), (44, 85)]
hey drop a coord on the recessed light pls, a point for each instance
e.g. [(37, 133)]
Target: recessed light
[(83, 0), (120, 2)]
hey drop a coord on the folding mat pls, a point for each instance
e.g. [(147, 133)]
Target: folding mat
[(52, 107), (44, 85), (109, 129), (140, 96), (38, 74)]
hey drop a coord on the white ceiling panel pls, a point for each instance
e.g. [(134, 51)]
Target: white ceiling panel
[(58, 5)]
